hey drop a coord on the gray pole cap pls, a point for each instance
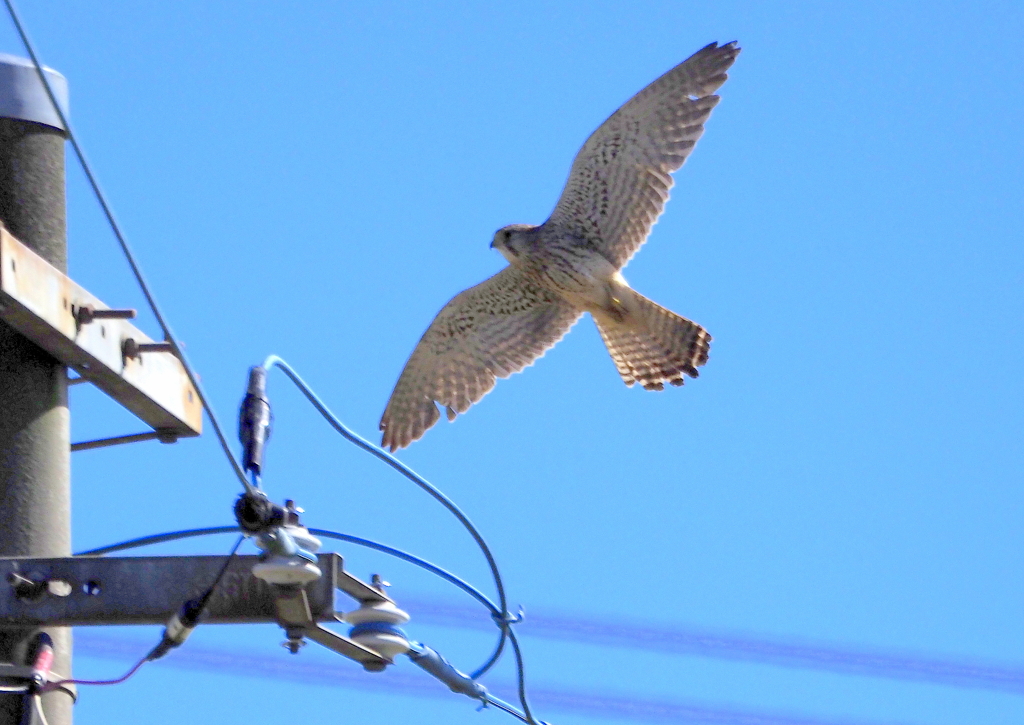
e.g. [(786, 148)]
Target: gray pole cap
[(23, 96)]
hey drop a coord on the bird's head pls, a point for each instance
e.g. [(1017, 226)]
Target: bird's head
[(511, 240)]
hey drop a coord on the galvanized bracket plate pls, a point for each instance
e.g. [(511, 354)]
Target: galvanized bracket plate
[(294, 613), (42, 303), (82, 591)]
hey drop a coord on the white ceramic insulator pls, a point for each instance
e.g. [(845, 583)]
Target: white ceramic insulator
[(377, 612), (303, 538), (300, 535), (286, 570), (387, 646)]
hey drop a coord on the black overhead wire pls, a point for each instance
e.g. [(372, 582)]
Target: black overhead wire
[(169, 335)]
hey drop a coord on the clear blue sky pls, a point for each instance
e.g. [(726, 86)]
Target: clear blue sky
[(316, 179)]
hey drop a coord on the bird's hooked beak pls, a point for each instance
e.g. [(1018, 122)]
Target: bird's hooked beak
[(498, 235)]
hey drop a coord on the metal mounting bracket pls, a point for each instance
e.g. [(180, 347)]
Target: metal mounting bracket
[(63, 318), (295, 616)]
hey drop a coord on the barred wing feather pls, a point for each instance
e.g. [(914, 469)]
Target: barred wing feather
[(620, 179), (489, 331)]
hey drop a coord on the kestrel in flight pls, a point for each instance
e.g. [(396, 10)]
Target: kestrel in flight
[(572, 264)]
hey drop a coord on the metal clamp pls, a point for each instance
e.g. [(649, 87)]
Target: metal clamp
[(30, 676)]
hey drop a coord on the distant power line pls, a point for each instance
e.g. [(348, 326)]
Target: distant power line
[(778, 651), (732, 646), (579, 702)]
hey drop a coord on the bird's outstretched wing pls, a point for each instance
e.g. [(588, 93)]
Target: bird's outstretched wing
[(486, 332), (619, 181)]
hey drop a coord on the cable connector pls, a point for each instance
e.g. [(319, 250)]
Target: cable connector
[(179, 627), (255, 513), (432, 662), (186, 619), (254, 419)]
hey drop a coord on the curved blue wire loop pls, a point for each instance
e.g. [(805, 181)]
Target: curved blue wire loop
[(273, 361)]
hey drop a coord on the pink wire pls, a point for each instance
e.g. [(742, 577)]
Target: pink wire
[(51, 686)]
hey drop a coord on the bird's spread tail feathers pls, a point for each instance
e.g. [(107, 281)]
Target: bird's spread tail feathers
[(651, 345)]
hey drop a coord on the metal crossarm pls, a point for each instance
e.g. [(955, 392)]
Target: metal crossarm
[(72, 325), (84, 591)]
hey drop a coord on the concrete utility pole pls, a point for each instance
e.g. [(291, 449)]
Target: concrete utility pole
[(35, 470)]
